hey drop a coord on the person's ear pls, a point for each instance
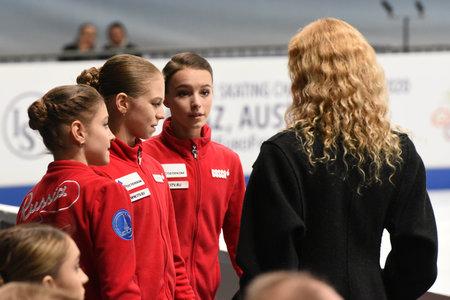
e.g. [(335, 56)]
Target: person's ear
[(121, 101), (78, 132), (48, 281)]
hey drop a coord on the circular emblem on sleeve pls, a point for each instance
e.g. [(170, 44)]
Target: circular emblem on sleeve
[(121, 224)]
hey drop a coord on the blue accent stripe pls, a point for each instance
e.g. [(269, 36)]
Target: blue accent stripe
[(437, 179), (13, 195)]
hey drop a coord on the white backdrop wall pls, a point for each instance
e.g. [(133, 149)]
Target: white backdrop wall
[(250, 97)]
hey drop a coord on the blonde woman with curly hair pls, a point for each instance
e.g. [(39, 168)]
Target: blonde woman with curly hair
[(322, 191)]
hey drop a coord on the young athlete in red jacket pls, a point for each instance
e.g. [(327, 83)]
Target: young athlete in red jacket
[(134, 90), (205, 178), (94, 210)]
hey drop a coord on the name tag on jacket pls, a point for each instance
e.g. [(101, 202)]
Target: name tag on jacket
[(175, 170), (140, 194), (178, 185), (131, 181)]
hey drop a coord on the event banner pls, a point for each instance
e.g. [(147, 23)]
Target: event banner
[(250, 99)]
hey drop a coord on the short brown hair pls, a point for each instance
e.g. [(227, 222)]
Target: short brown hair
[(32, 291), (185, 60), (29, 252)]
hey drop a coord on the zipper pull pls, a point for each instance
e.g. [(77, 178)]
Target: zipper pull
[(194, 151), (139, 156)]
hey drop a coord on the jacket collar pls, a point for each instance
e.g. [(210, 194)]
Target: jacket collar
[(185, 146), (121, 150), (58, 165)]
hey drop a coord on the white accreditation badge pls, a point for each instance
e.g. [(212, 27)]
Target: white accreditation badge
[(175, 170), (140, 194), (131, 181), (178, 185)]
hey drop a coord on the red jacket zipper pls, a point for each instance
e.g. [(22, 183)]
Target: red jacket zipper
[(161, 222), (197, 209)]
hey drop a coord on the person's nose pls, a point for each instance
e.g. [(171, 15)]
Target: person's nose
[(196, 101), (111, 135), (160, 113), (84, 277)]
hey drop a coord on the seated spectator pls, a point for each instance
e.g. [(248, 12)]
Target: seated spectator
[(118, 40), (84, 45), (41, 254), (32, 291), (290, 286)]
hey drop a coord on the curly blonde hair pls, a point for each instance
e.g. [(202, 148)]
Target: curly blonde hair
[(339, 92)]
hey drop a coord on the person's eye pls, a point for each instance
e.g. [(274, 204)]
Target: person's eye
[(205, 92), (182, 93), (157, 103), (106, 125)]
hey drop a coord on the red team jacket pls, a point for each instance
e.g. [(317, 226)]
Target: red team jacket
[(160, 270), (207, 185), (97, 213)]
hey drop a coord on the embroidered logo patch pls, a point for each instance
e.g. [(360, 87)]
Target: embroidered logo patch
[(219, 173), (158, 177), (121, 224)]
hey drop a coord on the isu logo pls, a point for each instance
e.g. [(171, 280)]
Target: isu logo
[(20, 139), (63, 197)]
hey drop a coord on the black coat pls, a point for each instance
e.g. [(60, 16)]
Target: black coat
[(299, 218)]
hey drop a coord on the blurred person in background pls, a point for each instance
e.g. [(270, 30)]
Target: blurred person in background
[(39, 254), (118, 38), (118, 41), (83, 47), (289, 286), (322, 191), (94, 210), (133, 89), (205, 177)]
